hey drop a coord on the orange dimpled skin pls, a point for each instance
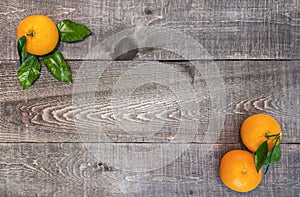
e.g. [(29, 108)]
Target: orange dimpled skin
[(41, 34), (255, 128), (237, 171)]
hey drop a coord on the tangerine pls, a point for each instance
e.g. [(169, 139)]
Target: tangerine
[(255, 130), (41, 34), (237, 171)]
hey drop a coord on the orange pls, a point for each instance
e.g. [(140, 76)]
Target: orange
[(255, 128), (41, 34), (237, 171)]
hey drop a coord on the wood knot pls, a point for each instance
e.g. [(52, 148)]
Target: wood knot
[(148, 11), (103, 167)]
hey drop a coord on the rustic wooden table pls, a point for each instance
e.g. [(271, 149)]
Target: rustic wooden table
[(44, 152)]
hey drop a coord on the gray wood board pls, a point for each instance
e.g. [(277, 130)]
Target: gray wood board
[(68, 169), (228, 30), (45, 112), (45, 153)]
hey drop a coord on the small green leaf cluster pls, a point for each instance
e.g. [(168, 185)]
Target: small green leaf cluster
[(30, 67), (263, 158)]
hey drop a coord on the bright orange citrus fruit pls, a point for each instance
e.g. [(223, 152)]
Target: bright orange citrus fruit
[(237, 171), (255, 128), (41, 34)]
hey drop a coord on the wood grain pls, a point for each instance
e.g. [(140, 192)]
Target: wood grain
[(36, 115), (68, 169), (228, 30), (256, 46)]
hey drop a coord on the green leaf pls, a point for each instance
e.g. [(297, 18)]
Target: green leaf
[(56, 64), (29, 71), (261, 155), (21, 48), (70, 31), (275, 156)]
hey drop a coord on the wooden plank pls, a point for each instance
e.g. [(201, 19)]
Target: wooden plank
[(45, 113), (43, 153), (68, 169), (228, 30)]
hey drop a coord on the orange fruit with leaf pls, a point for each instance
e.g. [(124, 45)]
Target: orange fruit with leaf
[(238, 172), (261, 134), (241, 170), (259, 128), (41, 34), (38, 35)]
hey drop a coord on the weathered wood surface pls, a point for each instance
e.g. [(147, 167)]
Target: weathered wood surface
[(68, 169), (42, 150), (251, 87), (237, 29), (43, 147)]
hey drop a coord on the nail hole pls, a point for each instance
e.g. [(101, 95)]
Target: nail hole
[(148, 11)]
